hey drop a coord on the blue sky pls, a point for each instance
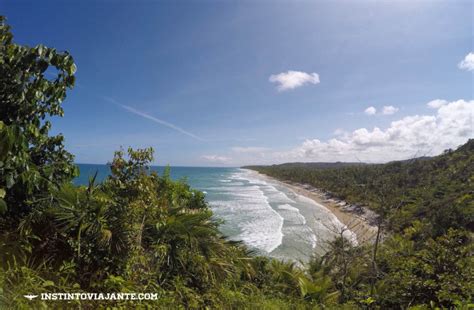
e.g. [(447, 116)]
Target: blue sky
[(193, 78)]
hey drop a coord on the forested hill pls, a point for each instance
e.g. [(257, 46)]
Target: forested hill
[(317, 165), (437, 191)]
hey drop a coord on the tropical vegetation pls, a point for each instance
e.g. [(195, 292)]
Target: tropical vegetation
[(138, 231)]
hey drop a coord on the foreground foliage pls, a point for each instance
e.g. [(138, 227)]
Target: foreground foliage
[(142, 232)]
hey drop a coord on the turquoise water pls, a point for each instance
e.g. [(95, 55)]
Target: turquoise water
[(266, 215)]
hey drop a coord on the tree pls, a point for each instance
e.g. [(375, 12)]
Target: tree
[(440, 272), (33, 84)]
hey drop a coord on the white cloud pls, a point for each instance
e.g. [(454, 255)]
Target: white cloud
[(216, 159), (389, 110), (451, 124), (370, 111), (467, 63), (411, 136), (293, 79), (437, 103)]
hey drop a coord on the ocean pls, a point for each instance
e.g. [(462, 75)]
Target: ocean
[(269, 217)]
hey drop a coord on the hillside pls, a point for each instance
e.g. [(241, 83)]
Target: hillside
[(310, 165), (437, 191)]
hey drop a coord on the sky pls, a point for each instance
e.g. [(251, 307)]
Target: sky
[(230, 83)]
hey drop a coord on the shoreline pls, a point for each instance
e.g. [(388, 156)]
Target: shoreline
[(360, 226)]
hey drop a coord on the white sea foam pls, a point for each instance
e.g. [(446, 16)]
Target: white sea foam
[(302, 233), (332, 223), (314, 241), (249, 209), (248, 176), (227, 189), (288, 207), (291, 214), (276, 195), (263, 214)]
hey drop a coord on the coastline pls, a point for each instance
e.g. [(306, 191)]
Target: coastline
[(360, 226)]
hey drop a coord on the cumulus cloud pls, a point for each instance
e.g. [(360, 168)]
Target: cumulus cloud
[(293, 79), (450, 125), (467, 63), (437, 103), (216, 159), (389, 110), (411, 136), (370, 111)]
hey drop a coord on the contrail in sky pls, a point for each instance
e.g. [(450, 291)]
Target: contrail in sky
[(154, 119)]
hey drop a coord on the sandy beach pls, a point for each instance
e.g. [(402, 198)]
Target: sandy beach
[(360, 225)]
